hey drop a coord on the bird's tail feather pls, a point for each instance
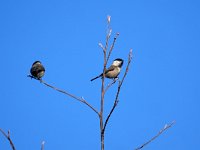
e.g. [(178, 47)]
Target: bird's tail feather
[(96, 77)]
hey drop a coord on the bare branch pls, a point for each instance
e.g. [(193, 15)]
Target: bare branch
[(73, 96), (157, 135), (112, 46), (110, 84), (118, 91), (68, 94), (108, 19), (8, 137), (109, 31), (101, 45), (102, 97), (107, 41), (42, 145), (108, 117)]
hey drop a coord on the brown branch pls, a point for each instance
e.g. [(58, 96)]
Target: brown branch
[(108, 117), (102, 95), (42, 145), (101, 45), (8, 137), (112, 46), (118, 91), (109, 31), (110, 84), (107, 41), (82, 100), (157, 135), (102, 110), (107, 38)]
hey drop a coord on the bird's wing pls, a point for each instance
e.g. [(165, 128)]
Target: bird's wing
[(42, 68), (37, 68), (111, 68)]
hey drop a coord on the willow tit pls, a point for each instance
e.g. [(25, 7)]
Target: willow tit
[(113, 71), (37, 70)]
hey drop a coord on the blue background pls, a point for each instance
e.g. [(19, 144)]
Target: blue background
[(162, 84)]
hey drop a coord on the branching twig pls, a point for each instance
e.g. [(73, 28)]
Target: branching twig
[(157, 135), (109, 31), (70, 95), (8, 137), (73, 96), (118, 91), (107, 42), (101, 45), (110, 84), (102, 94), (106, 55), (112, 46)]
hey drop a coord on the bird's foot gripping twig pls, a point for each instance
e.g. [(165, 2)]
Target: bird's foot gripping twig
[(32, 77)]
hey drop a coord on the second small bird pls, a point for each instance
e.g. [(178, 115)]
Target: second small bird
[(113, 71), (37, 70)]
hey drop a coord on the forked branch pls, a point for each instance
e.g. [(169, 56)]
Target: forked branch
[(118, 91), (110, 84), (80, 99), (106, 56), (112, 46), (157, 135), (8, 138)]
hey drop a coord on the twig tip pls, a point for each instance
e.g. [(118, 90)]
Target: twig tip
[(108, 19), (8, 133), (101, 45)]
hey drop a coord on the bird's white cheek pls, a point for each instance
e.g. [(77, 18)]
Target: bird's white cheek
[(116, 63)]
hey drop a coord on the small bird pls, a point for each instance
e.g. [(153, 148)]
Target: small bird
[(113, 71), (37, 70)]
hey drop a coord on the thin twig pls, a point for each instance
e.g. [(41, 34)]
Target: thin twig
[(157, 135), (110, 84), (109, 31), (73, 96), (8, 137), (101, 45), (70, 95), (42, 145), (102, 95), (118, 91), (112, 46), (108, 117), (107, 38)]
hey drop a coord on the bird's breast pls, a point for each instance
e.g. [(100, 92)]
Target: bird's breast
[(114, 73)]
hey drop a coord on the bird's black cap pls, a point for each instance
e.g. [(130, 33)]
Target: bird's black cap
[(36, 62), (119, 59)]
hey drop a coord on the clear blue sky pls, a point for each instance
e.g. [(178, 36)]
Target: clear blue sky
[(163, 83)]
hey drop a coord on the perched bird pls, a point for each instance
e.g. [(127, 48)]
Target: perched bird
[(37, 70), (113, 71)]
